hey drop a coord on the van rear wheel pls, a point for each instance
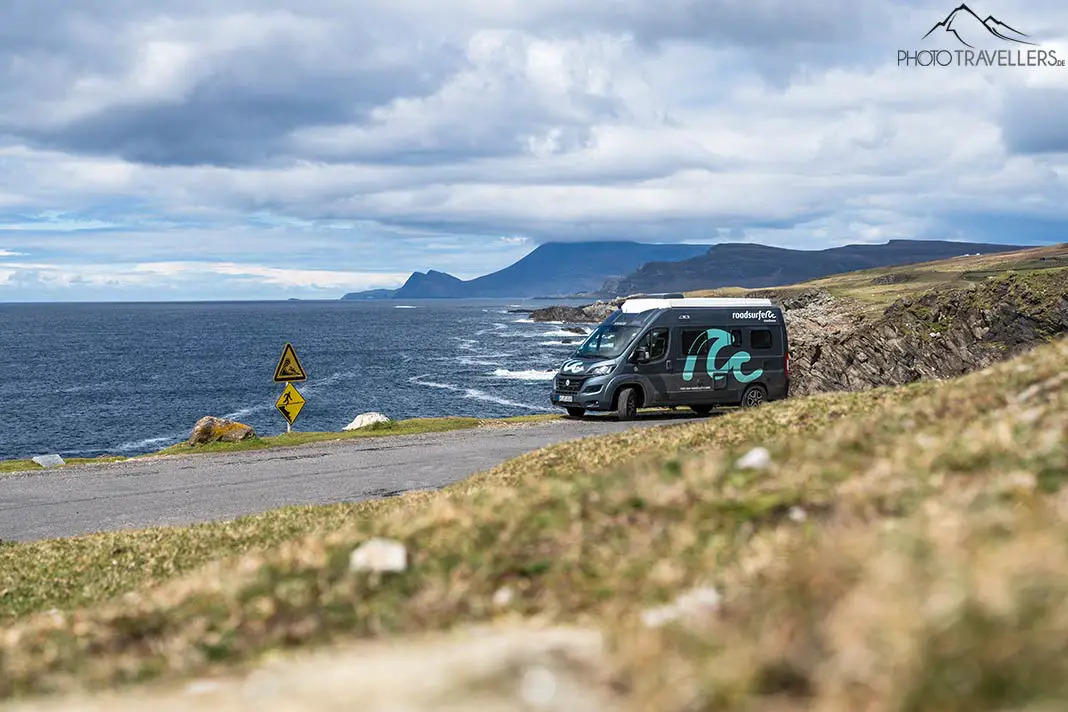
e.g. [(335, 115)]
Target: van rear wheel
[(576, 412), (627, 407), (754, 396)]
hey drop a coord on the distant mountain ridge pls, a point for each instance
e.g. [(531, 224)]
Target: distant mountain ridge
[(554, 269), (753, 265), (613, 269)]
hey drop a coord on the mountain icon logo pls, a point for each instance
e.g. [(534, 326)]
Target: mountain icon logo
[(963, 23)]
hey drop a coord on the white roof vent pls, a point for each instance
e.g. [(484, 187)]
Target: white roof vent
[(635, 306)]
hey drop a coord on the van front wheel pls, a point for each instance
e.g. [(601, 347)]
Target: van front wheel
[(627, 407), (576, 412)]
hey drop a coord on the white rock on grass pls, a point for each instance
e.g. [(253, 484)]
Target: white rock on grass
[(49, 460), (364, 419), (379, 555), (503, 597), (692, 605), (756, 459)]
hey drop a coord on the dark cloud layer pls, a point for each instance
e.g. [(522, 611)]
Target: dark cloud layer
[(1035, 121), (245, 107)]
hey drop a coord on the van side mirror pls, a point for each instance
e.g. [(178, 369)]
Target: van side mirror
[(641, 354)]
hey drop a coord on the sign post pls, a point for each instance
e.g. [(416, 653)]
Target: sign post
[(288, 370)]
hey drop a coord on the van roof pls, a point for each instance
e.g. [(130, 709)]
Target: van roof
[(635, 306)]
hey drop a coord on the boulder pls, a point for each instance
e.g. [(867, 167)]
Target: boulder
[(364, 419), (49, 460), (210, 429)]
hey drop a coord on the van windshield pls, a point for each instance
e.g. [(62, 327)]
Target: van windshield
[(609, 340)]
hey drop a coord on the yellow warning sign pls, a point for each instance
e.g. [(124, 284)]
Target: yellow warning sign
[(289, 368), (290, 403)]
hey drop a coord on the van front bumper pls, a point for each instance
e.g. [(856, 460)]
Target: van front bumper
[(593, 395)]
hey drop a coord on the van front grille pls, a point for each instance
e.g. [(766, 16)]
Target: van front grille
[(569, 384)]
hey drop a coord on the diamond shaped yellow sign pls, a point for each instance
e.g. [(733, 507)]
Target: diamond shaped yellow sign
[(290, 403)]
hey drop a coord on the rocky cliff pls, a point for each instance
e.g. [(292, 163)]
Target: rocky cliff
[(838, 346)]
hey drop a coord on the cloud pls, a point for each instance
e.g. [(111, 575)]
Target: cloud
[(9, 253), (327, 142), (173, 275)]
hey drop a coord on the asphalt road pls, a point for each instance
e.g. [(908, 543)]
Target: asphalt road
[(182, 490)]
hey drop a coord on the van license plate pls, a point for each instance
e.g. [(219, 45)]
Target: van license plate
[(567, 399)]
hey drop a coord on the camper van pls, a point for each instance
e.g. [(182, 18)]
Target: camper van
[(699, 353)]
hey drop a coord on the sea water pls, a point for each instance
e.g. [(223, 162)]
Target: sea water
[(84, 380)]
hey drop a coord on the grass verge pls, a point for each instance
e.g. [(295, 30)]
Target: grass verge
[(9, 466), (904, 549), (413, 426)]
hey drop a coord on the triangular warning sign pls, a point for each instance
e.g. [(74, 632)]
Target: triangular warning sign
[(289, 368)]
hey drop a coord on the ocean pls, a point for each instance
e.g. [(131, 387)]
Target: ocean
[(84, 380)]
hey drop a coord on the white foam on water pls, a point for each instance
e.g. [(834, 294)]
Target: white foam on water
[(523, 321), (463, 361), (404, 306), (495, 327), (476, 394), (529, 375), (148, 442), (562, 332)]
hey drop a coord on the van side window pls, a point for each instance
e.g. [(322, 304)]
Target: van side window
[(760, 339), (688, 338), (657, 343), (736, 337)]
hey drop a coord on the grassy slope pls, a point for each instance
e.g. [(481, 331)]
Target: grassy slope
[(929, 574), (866, 288), (413, 426)]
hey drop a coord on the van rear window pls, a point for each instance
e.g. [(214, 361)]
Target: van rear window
[(760, 339)]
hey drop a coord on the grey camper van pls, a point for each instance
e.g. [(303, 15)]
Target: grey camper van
[(700, 353)]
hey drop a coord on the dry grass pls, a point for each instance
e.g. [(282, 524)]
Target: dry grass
[(866, 292), (929, 573)]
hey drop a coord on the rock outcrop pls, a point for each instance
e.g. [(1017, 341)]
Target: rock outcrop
[(364, 420), (589, 314), (835, 346), (210, 429)]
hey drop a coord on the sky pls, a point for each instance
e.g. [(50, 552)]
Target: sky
[(231, 149)]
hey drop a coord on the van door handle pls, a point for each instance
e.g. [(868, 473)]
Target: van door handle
[(668, 365)]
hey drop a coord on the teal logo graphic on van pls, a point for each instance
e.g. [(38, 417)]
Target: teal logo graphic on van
[(719, 340)]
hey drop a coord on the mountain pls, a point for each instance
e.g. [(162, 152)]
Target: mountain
[(970, 29), (749, 265), (431, 285), (554, 269)]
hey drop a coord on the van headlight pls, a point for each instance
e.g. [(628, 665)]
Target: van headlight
[(601, 370)]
